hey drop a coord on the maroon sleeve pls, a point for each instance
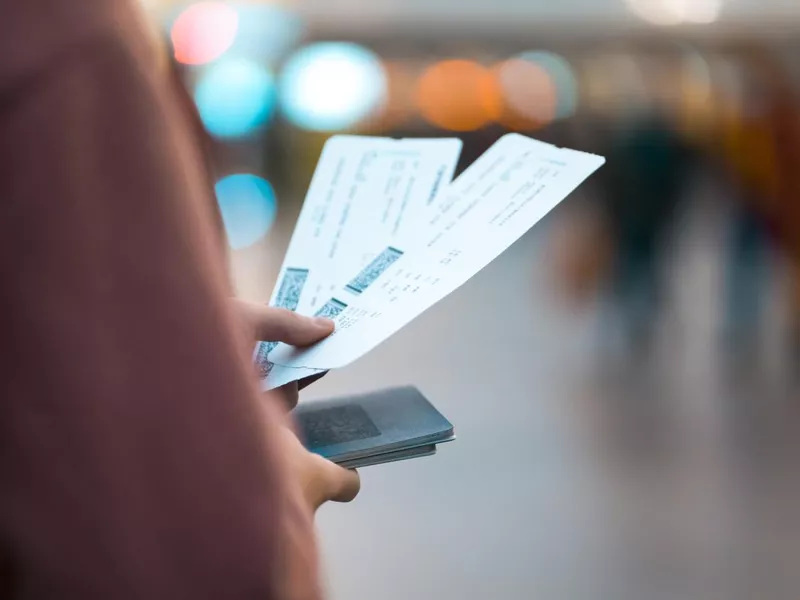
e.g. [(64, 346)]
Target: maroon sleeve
[(135, 457)]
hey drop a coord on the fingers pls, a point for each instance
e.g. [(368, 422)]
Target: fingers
[(319, 479), (323, 481), (287, 396), (343, 484), (271, 324)]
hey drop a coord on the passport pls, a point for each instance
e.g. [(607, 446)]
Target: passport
[(374, 428)]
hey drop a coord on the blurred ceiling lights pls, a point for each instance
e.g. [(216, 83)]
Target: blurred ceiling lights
[(677, 12), (336, 86), (332, 86), (235, 97), (203, 32), (248, 206)]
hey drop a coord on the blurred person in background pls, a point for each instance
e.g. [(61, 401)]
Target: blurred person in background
[(783, 206), (619, 237), (617, 242), (761, 145), (745, 143), (647, 169), (139, 459)]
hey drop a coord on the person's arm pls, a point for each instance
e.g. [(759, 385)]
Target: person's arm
[(136, 460)]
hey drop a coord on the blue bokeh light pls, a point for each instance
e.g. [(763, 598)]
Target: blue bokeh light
[(248, 206), (330, 86), (235, 98)]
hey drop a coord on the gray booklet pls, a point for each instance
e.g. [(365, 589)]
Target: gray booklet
[(375, 428)]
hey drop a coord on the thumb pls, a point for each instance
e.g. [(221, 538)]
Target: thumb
[(271, 324), (343, 484)]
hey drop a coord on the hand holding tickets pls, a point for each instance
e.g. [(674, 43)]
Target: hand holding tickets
[(382, 236)]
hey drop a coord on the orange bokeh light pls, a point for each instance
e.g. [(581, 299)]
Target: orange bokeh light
[(458, 95), (203, 32)]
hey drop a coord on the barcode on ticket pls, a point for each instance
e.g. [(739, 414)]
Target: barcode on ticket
[(291, 288), (288, 297), (374, 270), (331, 308)]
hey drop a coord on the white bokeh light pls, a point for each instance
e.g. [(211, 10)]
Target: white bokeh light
[(676, 12), (701, 11), (332, 86)]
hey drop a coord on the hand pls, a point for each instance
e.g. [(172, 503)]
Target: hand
[(268, 324), (320, 480)]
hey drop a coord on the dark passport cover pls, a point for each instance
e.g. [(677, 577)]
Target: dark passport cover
[(374, 428)]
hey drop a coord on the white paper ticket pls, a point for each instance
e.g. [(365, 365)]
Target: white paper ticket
[(365, 193), (491, 205)]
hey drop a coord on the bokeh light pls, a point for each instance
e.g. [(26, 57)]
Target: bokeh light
[(656, 12), (676, 12), (538, 88), (330, 86), (248, 206), (563, 77), (529, 94), (203, 32), (266, 32), (701, 11), (459, 95), (235, 98)]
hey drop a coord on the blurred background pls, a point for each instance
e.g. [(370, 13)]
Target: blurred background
[(624, 379)]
